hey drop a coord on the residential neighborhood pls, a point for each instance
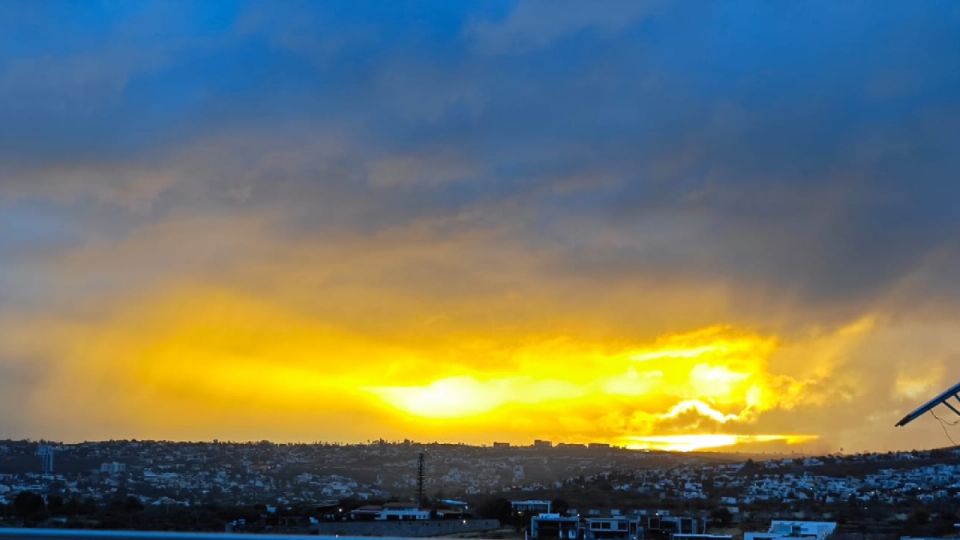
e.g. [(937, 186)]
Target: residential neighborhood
[(544, 483)]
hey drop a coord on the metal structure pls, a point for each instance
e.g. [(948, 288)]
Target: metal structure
[(45, 452), (942, 399), (420, 480)]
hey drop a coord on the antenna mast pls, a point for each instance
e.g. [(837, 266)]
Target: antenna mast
[(942, 399), (420, 480)]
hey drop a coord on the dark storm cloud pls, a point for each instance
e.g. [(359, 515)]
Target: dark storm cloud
[(800, 145)]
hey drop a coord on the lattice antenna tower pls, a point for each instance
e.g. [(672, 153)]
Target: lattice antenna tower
[(420, 459)]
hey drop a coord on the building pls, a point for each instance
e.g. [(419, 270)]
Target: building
[(501, 445), (613, 527), (45, 453), (403, 514), (532, 506), (452, 509), (455, 503), (549, 526), (112, 468), (399, 511), (663, 524), (365, 513), (539, 443), (814, 530)]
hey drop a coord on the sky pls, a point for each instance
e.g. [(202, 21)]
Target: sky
[(669, 225)]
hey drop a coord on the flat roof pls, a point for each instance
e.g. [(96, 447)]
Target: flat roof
[(701, 535), (92, 534)]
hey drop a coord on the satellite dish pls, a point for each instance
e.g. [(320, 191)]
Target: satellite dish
[(952, 392)]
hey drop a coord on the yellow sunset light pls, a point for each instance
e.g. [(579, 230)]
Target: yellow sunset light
[(690, 443), (717, 375), (448, 398), (229, 353)]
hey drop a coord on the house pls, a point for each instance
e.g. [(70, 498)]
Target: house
[(614, 527), (531, 506), (663, 524), (400, 511), (403, 514), (365, 513), (551, 526), (813, 530)]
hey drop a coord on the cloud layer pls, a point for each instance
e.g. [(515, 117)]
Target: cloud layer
[(366, 212)]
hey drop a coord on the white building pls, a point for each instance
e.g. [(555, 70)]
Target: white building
[(403, 514), (531, 506), (554, 526), (615, 527), (814, 530)]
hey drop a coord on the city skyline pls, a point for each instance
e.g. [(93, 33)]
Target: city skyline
[(676, 226)]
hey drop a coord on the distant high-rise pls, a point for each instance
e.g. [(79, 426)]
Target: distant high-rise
[(45, 452)]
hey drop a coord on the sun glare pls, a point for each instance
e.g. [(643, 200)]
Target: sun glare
[(690, 443), (712, 377), (448, 398)]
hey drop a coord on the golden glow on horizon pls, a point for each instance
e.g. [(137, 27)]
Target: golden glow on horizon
[(459, 397), (238, 364), (713, 375), (690, 443)]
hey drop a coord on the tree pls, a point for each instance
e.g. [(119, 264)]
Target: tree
[(28, 506), (721, 516), (55, 504), (87, 507), (132, 504), (920, 517), (71, 507), (559, 506), (496, 508)]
